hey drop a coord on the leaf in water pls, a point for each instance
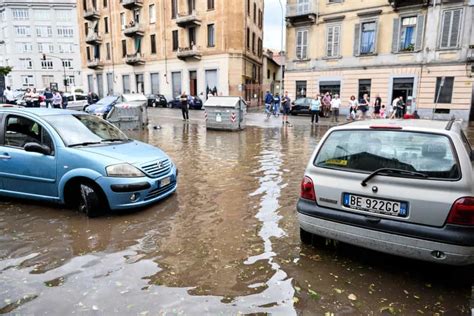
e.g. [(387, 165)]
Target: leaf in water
[(313, 294), (406, 292), (428, 285), (416, 296), (372, 287), (295, 300), (388, 309), (297, 289), (338, 291), (420, 311), (352, 297), (328, 314)]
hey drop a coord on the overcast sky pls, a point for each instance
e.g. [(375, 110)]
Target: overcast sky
[(272, 19)]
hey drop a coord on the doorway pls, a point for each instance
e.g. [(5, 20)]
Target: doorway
[(192, 37), (140, 83), (402, 87), (193, 83)]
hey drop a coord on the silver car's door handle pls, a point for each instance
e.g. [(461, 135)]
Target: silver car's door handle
[(5, 157)]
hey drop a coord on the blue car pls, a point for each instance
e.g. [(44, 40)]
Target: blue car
[(103, 106), (80, 160)]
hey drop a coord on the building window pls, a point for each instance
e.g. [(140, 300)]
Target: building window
[(451, 28), (63, 15), (155, 83), (176, 84), (22, 31), (210, 35), (104, 3), (124, 48), (27, 81), (248, 7), (253, 42), (20, 14), (47, 64), (122, 21), (175, 40), (210, 4), (66, 48), (67, 63), (174, 9), (248, 39), (367, 37), (364, 87), (259, 47), (44, 31), (300, 89), (106, 25), (126, 83), (333, 40), (260, 18), (45, 48), (71, 80), (408, 33), (335, 1), (47, 80), (24, 47), (152, 12), (26, 63), (268, 73), (254, 13), (444, 89), (65, 31), (302, 44), (153, 43), (42, 14), (107, 51)]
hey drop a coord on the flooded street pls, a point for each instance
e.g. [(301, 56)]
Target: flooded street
[(226, 243)]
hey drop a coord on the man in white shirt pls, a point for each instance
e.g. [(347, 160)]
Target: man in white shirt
[(393, 110), (335, 105), (8, 93)]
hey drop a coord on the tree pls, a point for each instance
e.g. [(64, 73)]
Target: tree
[(5, 70)]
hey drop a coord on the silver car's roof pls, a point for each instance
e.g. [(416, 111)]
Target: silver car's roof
[(411, 124)]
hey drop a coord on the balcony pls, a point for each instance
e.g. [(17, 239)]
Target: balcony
[(134, 31), (189, 53), (95, 64), (135, 59), (91, 15), (132, 4), (188, 19), (406, 3), (301, 13), (94, 39)]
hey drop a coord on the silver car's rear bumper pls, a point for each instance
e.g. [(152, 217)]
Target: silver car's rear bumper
[(389, 243)]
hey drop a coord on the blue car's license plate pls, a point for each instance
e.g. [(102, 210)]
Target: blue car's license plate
[(379, 206), (164, 182)]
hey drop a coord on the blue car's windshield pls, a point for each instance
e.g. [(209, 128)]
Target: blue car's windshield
[(83, 129), (107, 100)]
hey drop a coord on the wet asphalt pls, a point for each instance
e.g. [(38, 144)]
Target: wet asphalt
[(226, 243)]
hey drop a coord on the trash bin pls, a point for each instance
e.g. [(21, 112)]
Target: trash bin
[(127, 116), (138, 99), (225, 113)]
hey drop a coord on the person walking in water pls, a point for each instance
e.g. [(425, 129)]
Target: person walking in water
[(315, 106), (268, 103), (286, 102), (276, 104), (335, 105), (184, 106)]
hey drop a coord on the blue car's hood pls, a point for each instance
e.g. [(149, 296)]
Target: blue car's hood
[(133, 152)]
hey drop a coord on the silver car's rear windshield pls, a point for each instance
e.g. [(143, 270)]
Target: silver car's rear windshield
[(370, 150)]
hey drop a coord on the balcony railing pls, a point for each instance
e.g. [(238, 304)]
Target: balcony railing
[(301, 13), (189, 52), (135, 59), (91, 15), (95, 63), (134, 30), (406, 3), (188, 19), (132, 4), (94, 38)]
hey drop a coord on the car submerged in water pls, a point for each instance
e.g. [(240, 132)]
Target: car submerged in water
[(404, 187), (77, 159)]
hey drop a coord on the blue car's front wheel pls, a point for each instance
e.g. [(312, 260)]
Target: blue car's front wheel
[(89, 201)]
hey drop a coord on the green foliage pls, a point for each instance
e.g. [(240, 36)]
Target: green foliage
[(5, 70)]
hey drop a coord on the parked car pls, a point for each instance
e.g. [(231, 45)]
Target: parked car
[(194, 103), (104, 106), (80, 160), (157, 100), (301, 106), (76, 101), (403, 187)]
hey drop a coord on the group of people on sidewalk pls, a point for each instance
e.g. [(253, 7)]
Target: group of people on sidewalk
[(273, 103), (33, 99)]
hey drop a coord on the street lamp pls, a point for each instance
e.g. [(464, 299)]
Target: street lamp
[(281, 49), (64, 69)]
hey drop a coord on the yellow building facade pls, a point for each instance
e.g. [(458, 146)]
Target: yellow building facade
[(421, 50), (171, 46)]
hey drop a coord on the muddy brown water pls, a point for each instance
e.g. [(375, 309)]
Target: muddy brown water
[(226, 243)]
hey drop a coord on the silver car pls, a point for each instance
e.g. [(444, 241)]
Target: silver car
[(404, 187)]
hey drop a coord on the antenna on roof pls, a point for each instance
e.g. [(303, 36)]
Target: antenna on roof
[(450, 123)]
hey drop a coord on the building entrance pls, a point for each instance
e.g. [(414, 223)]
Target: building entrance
[(193, 83), (402, 87)]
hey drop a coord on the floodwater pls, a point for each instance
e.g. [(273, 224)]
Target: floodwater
[(226, 243)]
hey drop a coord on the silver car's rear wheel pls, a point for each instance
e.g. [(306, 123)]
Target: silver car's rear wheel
[(306, 237)]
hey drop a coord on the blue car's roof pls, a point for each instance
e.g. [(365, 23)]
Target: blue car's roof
[(40, 111)]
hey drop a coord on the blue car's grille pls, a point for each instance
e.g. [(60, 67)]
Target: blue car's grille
[(157, 169), (157, 192)]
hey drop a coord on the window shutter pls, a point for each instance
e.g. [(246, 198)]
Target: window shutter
[(376, 35), (330, 40), (299, 35), (445, 29), (420, 30), (305, 45), (395, 35), (357, 39), (337, 31), (455, 28)]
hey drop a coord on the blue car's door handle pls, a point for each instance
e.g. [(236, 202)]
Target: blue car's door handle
[(5, 156)]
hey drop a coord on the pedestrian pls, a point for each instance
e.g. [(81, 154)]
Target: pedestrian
[(377, 107), (393, 108), (48, 95), (64, 100), (326, 104), (353, 106), (382, 112), (35, 98), (276, 104), (401, 107), (364, 106), (315, 106), (28, 97), (268, 103), (57, 100), (335, 105), (184, 106), (10, 98), (286, 102)]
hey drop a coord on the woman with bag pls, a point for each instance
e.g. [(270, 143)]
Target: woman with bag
[(353, 105), (314, 106)]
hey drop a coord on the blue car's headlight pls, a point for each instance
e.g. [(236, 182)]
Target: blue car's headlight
[(124, 170)]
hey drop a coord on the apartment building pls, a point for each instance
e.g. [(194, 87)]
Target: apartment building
[(422, 50), (31, 28), (172, 46), (272, 71)]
